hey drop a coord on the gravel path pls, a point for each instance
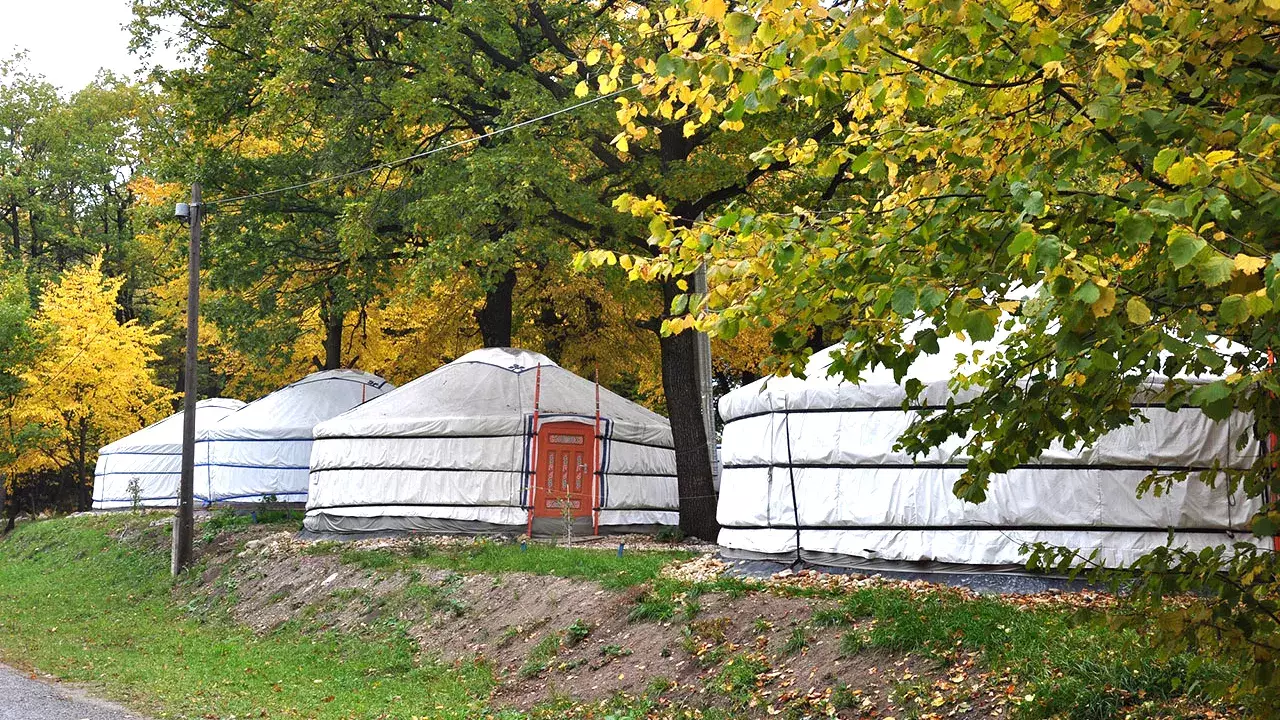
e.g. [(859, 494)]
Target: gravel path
[(22, 698)]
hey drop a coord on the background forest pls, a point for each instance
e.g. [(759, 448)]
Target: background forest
[(395, 272)]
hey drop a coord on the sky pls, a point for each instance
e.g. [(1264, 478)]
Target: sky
[(67, 41)]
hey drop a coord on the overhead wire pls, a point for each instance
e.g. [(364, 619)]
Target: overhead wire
[(391, 164)]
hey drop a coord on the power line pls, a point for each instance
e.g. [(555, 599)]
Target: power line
[(396, 163)]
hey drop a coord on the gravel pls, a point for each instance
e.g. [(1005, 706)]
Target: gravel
[(23, 697)]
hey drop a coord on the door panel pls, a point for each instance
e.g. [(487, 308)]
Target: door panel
[(565, 471)]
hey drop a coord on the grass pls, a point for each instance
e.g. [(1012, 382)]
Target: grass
[(496, 558), (77, 604), (541, 656), (1073, 664)]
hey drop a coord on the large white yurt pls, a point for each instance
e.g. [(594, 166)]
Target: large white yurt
[(500, 440), (146, 467), (263, 450), (811, 473)]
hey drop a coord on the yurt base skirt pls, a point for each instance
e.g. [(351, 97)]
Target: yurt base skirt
[(957, 550), (815, 559), (480, 521)]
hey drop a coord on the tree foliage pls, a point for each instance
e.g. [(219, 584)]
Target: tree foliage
[(93, 383), (286, 93), (1099, 178)]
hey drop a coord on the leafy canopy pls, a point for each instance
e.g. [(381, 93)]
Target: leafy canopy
[(1105, 172)]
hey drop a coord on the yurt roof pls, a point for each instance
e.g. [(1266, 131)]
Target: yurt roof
[(299, 406), (491, 391), (168, 432), (877, 388)]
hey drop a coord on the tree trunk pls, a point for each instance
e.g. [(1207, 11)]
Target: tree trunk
[(495, 317), (333, 324), (86, 499), (684, 407), (35, 233), (11, 514), (16, 229), (4, 496)]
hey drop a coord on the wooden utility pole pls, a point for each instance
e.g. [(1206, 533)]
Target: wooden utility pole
[(184, 523)]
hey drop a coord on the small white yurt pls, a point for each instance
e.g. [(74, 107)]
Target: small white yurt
[(500, 440), (811, 473), (264, 449), (146, 467)]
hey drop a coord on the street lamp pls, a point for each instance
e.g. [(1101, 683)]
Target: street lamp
[(184, 522)]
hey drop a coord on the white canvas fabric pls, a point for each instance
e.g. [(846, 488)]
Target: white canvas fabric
[(264, 449), (153, 457), (451, 451), (810, 471)]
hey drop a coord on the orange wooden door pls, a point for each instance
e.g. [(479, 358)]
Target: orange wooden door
[(565, 471)]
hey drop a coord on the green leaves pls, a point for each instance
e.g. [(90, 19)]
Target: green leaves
[(1164, 159), (1215, 270), (1183, 247), (981, 324), (1137, 229), (1214, 399), (904, 301), (740, 25), (1233, 310), (1087, 293)]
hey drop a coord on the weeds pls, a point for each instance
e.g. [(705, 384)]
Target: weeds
[(541, 656), (830, 618), (796, 642), (613, 651), (740, 673), (852, 643), (369, 559), (576, 633)]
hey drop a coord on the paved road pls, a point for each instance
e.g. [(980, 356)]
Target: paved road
[(22, 698)]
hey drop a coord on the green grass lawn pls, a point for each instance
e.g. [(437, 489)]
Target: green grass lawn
[(79, 603)]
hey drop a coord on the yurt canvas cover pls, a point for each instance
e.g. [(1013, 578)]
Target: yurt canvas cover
[(456, 451), (264, 449), (810, 472), (153, 457)]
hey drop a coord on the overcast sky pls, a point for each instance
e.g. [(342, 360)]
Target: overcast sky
[(67, 41)]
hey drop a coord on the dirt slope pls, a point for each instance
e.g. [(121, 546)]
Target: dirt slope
[(549, 637)]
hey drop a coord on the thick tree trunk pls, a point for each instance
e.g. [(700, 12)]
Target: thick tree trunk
[(333, 324), (684, 407), (495, 317)]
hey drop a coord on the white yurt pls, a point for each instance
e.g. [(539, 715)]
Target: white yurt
[(810, 473), (264, 449), (146, 467), (500, 440)]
